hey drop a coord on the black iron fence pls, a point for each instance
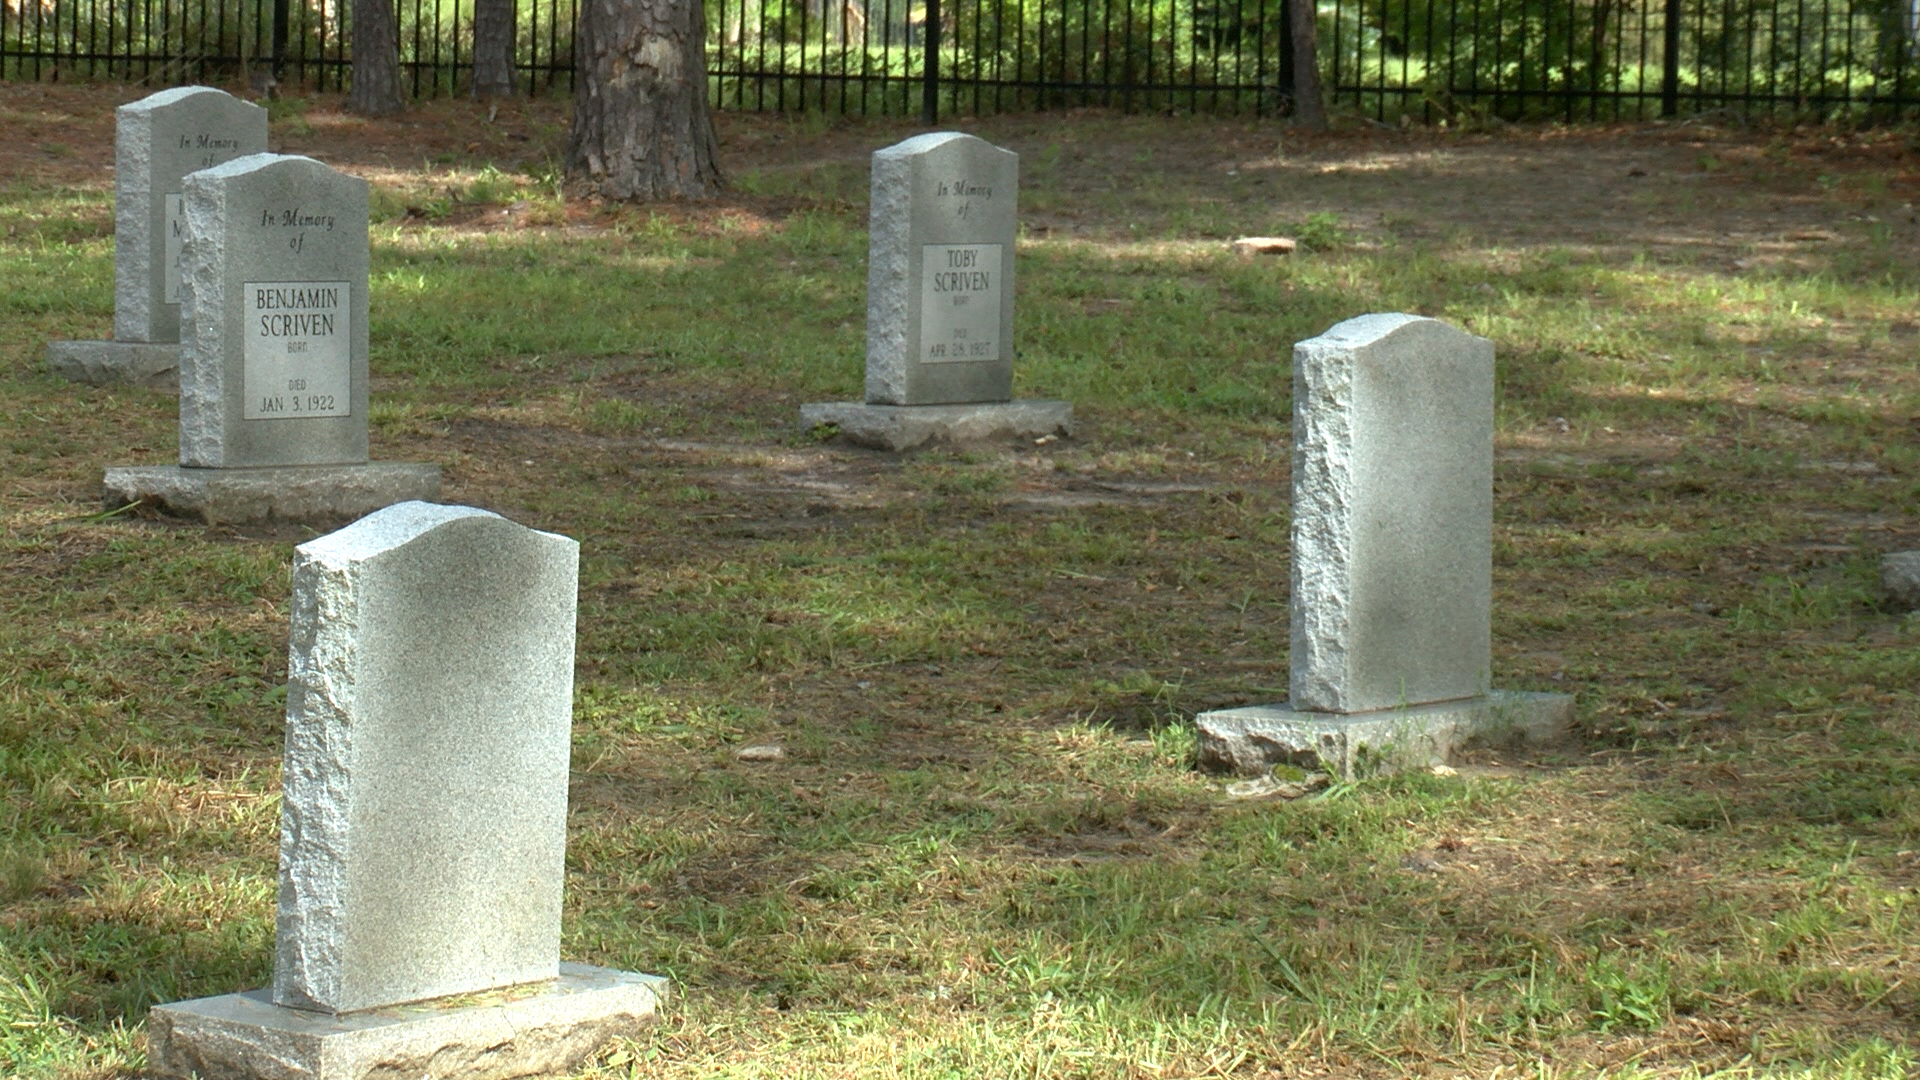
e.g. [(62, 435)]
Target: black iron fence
[(1424, 59)]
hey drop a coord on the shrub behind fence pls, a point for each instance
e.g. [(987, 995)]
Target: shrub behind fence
[(1424, 59)]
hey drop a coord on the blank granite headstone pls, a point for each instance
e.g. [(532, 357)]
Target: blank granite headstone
[(422, 822), (940, 256), (158, 140), (1391, 608), (273, 380)]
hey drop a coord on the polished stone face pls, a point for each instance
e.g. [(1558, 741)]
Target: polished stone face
[(423, 816), (158, 140), (1393, 515), (274, 358), (940, 247)]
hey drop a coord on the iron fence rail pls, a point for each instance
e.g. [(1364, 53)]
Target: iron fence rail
[(1421, 59)]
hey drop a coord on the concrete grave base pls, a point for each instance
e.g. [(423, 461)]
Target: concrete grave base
[(317, 494), (903, 427), (108, 363), (1255, 738), (474, 1037)]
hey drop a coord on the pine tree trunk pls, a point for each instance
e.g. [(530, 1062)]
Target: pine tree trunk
[(493, 48), (375, 89), (640, 123), (1308, 112)]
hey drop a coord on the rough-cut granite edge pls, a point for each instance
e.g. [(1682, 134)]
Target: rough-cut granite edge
[(1252, 739), (311, 494), (135, 317), (889, 274), (904, 427), (154, 365), (475, 1037)]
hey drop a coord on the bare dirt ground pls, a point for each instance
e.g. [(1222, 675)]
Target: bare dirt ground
[(1689, 189)]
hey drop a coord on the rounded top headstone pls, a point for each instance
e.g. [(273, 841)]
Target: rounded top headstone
[(935, 140), (163, 98), (394, 527), (1363, 330)]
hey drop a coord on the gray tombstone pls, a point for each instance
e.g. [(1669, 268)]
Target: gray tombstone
[(158, 140), (273, 382), (942, 230), (423, 819), (1392, 571), (276, 357)]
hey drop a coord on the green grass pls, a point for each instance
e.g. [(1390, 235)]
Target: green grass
[(986, 852)]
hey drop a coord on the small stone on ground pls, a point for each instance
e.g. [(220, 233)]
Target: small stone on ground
[(1900, 577)]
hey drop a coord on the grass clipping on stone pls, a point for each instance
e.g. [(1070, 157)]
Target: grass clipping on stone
[(982, 850)]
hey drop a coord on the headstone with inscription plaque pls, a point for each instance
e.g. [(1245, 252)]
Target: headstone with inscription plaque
[(940, 300), (273, 380), (158, 140)]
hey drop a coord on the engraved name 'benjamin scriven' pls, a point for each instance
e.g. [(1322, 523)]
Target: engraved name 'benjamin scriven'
[(297, 312)]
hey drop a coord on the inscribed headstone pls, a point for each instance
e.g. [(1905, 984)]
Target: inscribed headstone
[(941, 232), (274, 369), (158, 140)]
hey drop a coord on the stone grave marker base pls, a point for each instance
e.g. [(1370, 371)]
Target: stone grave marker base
[(1252, 739), (475, 1036), (314, 494), (903, 427), (106, 363)]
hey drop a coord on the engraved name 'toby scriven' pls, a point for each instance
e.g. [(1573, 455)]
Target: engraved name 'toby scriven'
[(959, 278)]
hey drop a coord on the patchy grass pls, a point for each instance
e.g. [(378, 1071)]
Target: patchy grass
[(985, 852)]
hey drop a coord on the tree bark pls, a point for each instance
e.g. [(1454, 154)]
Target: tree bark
[(640, 123), (493, 48), (1308, 112), (375, 88)]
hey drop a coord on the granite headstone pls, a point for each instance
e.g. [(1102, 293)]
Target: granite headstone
[(942, 231), (273, 382), (423, 819), (1390, 647), (158, 140)]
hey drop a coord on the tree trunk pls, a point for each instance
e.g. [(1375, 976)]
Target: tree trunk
[(1308, 112), (640, 123), (493, 48), (375, 89)]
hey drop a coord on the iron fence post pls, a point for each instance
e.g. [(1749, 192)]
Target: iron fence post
[(1670, 62), (279, 39), (930, 68)]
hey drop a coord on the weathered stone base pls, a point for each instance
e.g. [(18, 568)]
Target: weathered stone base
[(247, 1037), (903, 427), (1253, 739), (311, 494), (105, 363)]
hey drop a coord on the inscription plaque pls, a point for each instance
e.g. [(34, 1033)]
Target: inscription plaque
[(959, 303), (175, 224), (297, 359)]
